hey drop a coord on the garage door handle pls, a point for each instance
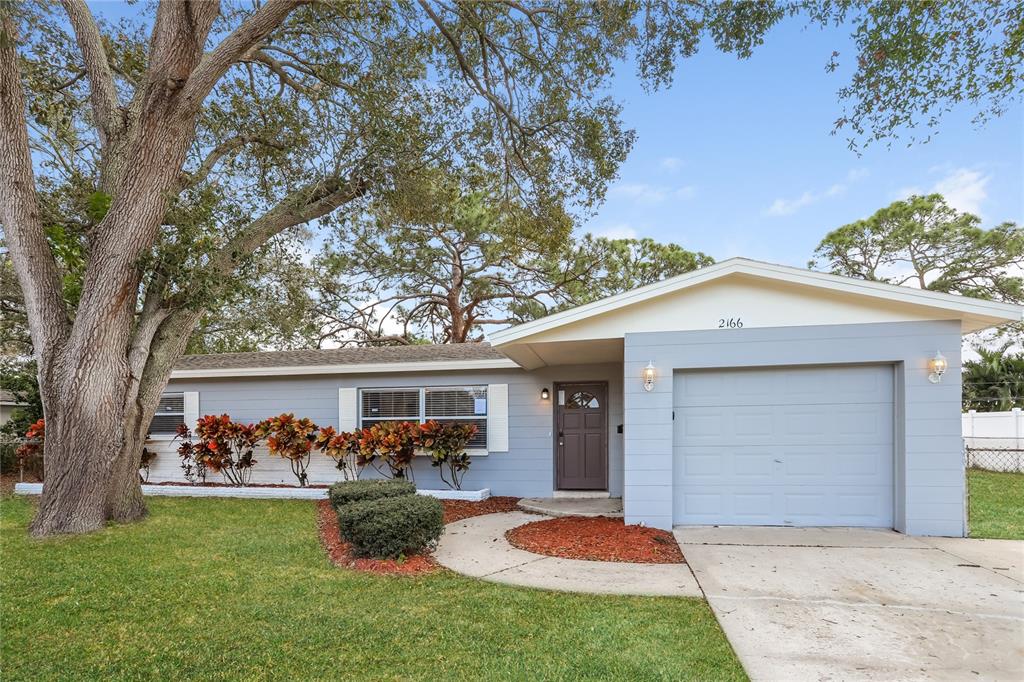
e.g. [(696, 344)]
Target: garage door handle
[(778, 461)]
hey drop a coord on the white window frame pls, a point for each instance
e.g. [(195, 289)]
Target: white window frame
[(170, 435), (422, 411)]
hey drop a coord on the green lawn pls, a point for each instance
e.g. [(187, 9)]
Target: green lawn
[(229, 589), (997, 504)]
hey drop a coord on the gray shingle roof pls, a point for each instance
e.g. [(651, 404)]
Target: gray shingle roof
[(341, 356)]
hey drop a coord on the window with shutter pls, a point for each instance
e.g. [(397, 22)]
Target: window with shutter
[(170, 414)]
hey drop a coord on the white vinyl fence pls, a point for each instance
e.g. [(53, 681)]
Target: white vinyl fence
[(994, 440)]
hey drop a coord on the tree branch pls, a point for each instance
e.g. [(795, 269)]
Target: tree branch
[(33, 259), (301, 206), (106, 107), (233, 48)]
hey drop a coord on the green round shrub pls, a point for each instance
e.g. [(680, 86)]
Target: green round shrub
[(348, 492), (389, 527)]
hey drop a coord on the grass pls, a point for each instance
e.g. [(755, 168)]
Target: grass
[(996, 504), (240, 589)]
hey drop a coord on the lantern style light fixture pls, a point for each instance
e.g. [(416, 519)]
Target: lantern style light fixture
[(938, 366), (545, 394), (648, 376)]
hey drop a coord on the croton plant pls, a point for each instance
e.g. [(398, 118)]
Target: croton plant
[(291, 439), (223, 446)]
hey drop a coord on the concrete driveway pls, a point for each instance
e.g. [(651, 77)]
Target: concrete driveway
[(841, 604)]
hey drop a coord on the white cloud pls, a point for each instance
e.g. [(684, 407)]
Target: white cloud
[(618, 231), (906, 192), (640, 192), (790, 206), (857, 174), (964, 189), (782, 206), (652, 194), (671, 163)]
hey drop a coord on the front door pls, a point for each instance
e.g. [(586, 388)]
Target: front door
[(581, 436)]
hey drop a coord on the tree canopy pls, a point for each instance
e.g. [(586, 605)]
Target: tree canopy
[(994, 382), (924, 242), (409, 276)]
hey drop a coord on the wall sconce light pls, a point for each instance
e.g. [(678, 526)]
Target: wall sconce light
[(648, 376), (545, 394), (938, 366)]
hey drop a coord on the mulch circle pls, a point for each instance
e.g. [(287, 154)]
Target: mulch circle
[(340, 552), (596, 539)]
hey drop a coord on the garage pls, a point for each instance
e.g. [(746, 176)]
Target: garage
[(791, 446)]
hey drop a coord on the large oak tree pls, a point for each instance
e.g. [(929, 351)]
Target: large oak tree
[(164, 154)]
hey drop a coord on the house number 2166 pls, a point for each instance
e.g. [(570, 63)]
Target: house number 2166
[(731, 323)]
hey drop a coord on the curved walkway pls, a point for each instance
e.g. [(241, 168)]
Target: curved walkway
[(477, 547)]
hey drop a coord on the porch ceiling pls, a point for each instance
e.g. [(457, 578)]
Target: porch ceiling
[(586, 352)]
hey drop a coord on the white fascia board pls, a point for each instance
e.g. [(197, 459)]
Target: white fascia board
[(366, 368), (960, 304)]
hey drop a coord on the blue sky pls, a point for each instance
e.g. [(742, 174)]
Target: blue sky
[(737, 159)]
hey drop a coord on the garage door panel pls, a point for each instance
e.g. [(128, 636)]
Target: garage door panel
[(786, 446), (811, 386), (716, 465), (786, 424)]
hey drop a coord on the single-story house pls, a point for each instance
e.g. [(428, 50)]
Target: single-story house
[(8, 404), (741, 393)]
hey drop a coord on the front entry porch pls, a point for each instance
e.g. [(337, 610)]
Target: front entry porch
[(573, 506)]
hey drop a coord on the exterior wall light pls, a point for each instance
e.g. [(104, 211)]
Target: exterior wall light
[(648, 377), (938, 366), (545, 394)]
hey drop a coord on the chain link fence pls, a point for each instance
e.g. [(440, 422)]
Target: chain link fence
[(995, 454)]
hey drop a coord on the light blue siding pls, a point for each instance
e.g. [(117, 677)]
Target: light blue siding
[(929, 470), (527, 469)]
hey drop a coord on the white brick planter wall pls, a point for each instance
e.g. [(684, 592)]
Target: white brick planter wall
[(257, 492)]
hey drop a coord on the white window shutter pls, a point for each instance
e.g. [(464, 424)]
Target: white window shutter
[(497, 417), (191, 409), (348, 409)]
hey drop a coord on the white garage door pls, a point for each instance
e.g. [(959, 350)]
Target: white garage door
[(793, 447)]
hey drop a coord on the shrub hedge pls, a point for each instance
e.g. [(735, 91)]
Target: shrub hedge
[(389, 527), (347, 492)]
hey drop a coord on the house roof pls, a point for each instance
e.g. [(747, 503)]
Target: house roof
[(7, 398), (344, 360), (975, 313)]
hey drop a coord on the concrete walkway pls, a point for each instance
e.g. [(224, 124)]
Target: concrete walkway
[(856, 604), (477, 547)]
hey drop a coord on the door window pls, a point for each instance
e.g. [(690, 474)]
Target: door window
[(579, 400)]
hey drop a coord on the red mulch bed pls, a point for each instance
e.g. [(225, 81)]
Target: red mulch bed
[(457, 510), (341, 553), (596, 539)]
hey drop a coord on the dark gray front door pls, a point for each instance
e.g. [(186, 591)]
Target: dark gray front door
[(581, 436)]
